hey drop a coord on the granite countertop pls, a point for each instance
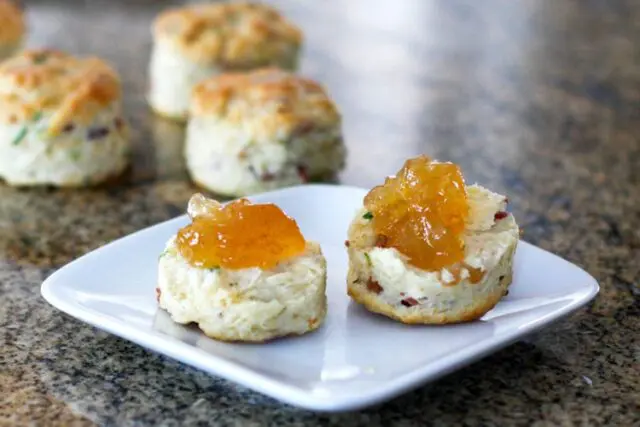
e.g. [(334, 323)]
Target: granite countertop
[(538, 100)]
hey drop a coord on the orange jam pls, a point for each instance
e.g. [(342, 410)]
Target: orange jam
[(240, 235), (421, 212), (475, 274)]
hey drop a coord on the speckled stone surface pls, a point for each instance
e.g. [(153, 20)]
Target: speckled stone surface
[(536, 99)]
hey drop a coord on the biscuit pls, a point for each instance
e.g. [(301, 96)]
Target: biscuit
[(261, 130), (196, 42), (384, 282), (248, 304), (60, 120)]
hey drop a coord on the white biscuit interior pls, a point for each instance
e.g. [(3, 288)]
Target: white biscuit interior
[(30, 156), (228, 159)]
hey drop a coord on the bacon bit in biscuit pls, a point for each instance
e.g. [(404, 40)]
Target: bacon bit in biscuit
[(409, 302), (97, 133), (374, 286), (304, 128), (500, 215), (268, 176), (302, 173), (382, 241), (346, 243), (312, 322), (475, 274), (158, 293)]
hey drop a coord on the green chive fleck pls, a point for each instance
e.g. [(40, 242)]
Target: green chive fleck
[(366, 255), (20, 136), (40, 58), (23, 131), (75, 155), (367, 215)]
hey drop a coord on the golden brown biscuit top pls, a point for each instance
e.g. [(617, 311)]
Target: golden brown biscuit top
[(274, 100), (53, 83), (11, 22), (235, 35)]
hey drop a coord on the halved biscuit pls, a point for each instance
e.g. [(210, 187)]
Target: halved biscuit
[(382, 279)]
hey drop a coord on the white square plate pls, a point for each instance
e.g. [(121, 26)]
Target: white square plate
[(357, 358)]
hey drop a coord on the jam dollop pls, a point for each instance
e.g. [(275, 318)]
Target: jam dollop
[(238, 235), (421, 212)]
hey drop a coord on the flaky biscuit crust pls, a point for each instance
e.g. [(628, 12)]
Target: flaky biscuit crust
[(235, 35), (273, 100), (71, 89)]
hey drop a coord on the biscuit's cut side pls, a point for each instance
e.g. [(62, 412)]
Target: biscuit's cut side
[(384, 282), (60, 120), (249, 304), (196, 42), (258, 131), (12, 28)]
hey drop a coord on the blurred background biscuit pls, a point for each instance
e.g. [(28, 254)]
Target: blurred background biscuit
[(266, 129), (60, 120), (199, 41)]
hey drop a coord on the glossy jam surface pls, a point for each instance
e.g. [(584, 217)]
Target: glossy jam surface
[(421, 212), (240, 235)]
